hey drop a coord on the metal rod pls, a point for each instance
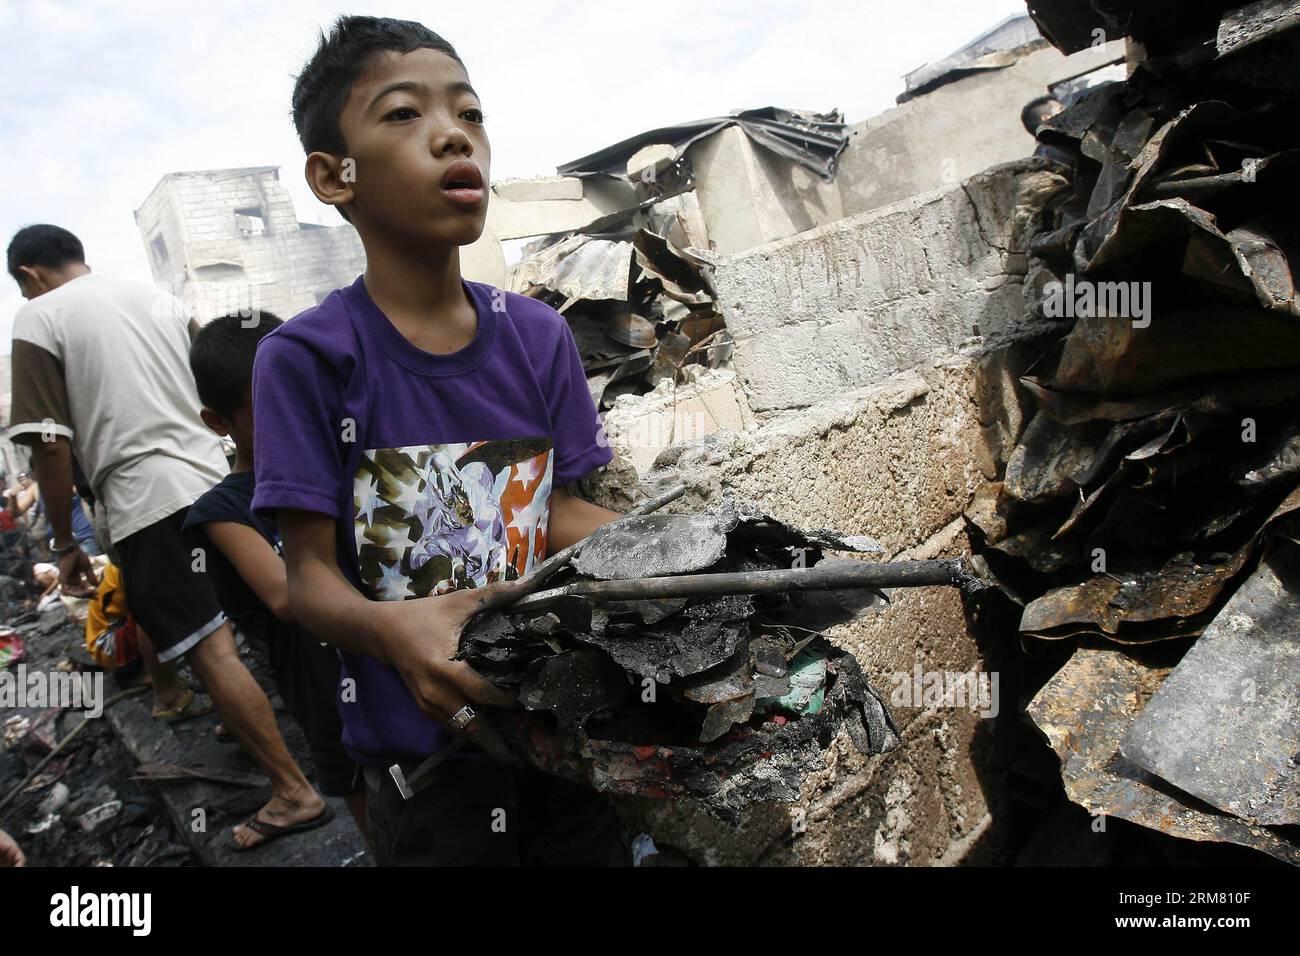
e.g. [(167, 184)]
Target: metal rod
[(841, 574)]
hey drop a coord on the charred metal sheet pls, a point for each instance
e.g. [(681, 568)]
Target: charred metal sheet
[(679, 275), (724, 714), (731, 679), (653, 545), (1265, 389), (1085, 711), (1225, 725), (1163, 26), (750, 527), (1153, 604), (575, 684), (579, 267), (677, 647), (1245, 26), (630, 330), (812, 140), (1008, 37), (637, 304), (1070, 25), (1110, 356), (1051, 459)]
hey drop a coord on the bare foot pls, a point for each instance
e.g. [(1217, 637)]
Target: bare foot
[(281, 812)]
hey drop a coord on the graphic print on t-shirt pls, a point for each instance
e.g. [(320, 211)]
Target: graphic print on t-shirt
[(429, 519)]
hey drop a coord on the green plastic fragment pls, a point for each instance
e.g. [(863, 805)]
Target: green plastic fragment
[(807, 677)]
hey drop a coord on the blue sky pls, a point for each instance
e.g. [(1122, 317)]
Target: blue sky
[(102, 99)]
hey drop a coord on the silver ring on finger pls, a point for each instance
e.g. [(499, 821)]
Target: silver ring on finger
[(461, 719)]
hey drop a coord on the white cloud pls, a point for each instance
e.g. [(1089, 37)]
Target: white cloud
[(104, 98)]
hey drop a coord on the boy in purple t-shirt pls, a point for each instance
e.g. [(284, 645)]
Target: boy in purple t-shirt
[(415, 433)]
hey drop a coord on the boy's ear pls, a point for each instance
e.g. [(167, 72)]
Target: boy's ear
[(331, 177), (214, 421)]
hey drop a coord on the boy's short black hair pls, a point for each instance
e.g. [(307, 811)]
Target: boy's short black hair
[(221, 359), (44, 245), (1030, 115), (323, 86)]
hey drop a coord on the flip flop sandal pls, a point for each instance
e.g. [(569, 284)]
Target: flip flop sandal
[(192, 705), (271, 832)]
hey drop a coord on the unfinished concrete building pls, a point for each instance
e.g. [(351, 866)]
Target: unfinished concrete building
[(226, 240)]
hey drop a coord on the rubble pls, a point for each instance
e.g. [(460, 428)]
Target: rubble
[(1159, 462), (636, 285), (726, 699), (122, 790)]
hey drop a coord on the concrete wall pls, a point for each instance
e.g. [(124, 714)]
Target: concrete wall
[(953, 132), (854, 302), (749, 196)]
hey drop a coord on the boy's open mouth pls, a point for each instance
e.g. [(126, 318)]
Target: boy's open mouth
[(463, 183)]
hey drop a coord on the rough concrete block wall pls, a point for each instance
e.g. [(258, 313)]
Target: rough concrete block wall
[(856, 301), (899, 461)]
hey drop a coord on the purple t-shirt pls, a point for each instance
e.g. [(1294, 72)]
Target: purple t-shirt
[(438, 468)]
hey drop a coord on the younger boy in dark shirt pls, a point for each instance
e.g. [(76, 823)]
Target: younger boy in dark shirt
[(243, 556)]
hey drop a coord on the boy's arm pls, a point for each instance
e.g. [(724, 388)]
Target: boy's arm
[(256, 562), (572, 519), (418, 637)]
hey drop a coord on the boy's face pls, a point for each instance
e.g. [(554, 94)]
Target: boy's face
[(406, 120)]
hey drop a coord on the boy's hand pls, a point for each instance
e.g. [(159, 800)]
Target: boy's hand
[(420, 637)]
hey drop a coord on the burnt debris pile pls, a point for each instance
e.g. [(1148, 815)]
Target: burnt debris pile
[(636, 284), (725, 699), (1149, 512)]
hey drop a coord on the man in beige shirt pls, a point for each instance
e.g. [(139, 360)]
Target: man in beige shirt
[(101, 368)]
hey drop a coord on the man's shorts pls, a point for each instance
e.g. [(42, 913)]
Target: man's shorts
[(174, 604), (477, 811)]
